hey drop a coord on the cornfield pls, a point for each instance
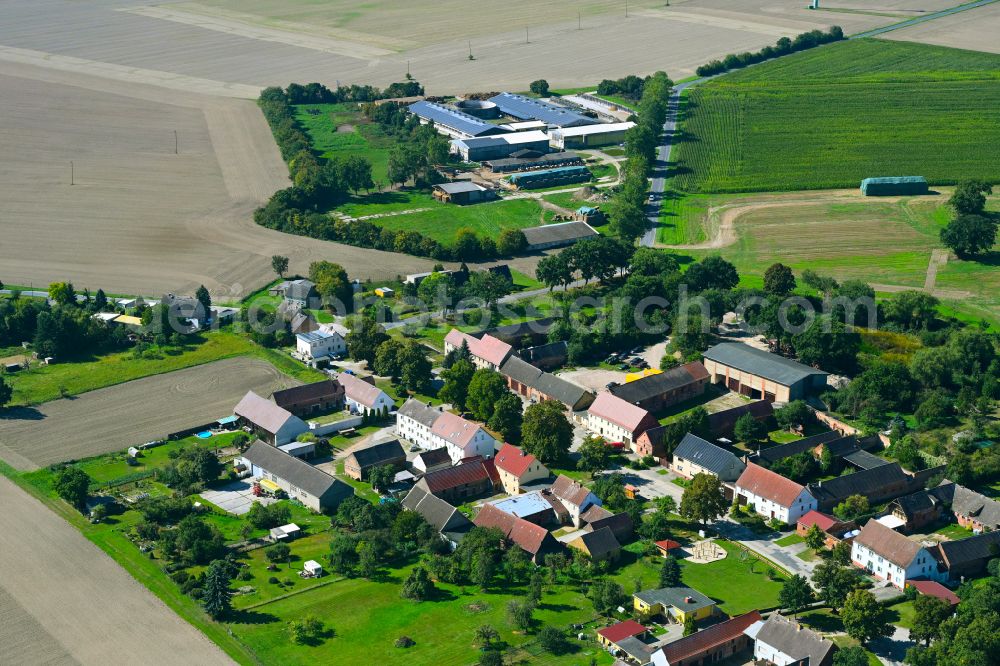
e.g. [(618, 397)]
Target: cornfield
[(829, 117)]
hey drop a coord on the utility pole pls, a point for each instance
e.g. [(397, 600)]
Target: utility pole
[(626, 8), (526, 34), (578, 21), (71, 181), (175, 142)]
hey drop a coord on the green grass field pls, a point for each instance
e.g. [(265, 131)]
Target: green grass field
[(442, 221), (340, 129), (831, 116), (875, 240)]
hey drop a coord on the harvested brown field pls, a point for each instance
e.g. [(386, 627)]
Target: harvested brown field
[(272, 42), (117, 417), (975, 30), (140, 218), (63, 601)]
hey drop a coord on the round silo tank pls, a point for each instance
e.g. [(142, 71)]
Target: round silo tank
[(480, 108)]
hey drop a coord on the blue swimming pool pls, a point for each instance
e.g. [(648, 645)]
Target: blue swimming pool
[(204, 434)]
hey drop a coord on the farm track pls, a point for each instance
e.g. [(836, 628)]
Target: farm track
[(63, 601), (722, 220)]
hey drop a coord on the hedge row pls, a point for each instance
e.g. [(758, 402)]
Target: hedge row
[(784, 46)]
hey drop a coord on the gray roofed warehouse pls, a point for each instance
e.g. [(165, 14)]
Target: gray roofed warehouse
[(759, 374), (557, 235)]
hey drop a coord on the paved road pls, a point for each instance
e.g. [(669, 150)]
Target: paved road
[(785, 557), (921, 19), (892, 650), (660, 169)]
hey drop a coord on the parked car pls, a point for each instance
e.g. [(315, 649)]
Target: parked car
[(611, 385), (624, 366), (635, 361)]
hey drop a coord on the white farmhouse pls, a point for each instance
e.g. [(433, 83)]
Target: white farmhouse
[(890, 556), (363, 397), (431, 428), (319, 344), (772, 495)]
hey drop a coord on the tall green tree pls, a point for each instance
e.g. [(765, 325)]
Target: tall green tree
[(864, 617), (929, 614), (507, 417), (6, 392), (364, 338), (414, 368), (71, 484), (852, 656), (216, 598), (488, 286), (418, 585), (485, 389), (749, 430), (795, 594), (333, 285), (594, 455), (539, 87), (970, 235), (969, 197), (836, 582), (279, 265), (546, 433), (670, 572), (779, 280), (456, 383), (703, 499), (202, 296)]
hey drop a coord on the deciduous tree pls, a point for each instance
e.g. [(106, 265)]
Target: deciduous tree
[(864, 617), (547, 433), (703, 499)]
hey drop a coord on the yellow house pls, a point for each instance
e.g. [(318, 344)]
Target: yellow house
[(384, 292), (676, 604)]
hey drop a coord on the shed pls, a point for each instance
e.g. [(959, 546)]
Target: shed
[(462, 192), (894, 186), (313, 568)]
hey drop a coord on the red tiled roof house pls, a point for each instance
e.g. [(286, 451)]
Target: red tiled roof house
[(517, 468), (772, 495)]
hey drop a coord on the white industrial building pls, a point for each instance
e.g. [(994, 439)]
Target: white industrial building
[(589, 136)]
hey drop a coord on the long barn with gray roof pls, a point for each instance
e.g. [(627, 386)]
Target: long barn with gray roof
[(758, 374)]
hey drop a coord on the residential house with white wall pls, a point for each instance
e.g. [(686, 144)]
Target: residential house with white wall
[(772, 495), (888, 555)]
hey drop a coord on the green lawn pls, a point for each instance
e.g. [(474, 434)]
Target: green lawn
[(368, 616), (729, 581), (789, 540), (905, 614), (831, 116), (341, 130), (42, 383), (954, 532), (441, 221)]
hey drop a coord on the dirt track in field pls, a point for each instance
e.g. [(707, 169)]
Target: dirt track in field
[(63, 601), (114, 418)]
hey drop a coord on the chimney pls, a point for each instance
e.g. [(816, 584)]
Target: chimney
[(688, 600)]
